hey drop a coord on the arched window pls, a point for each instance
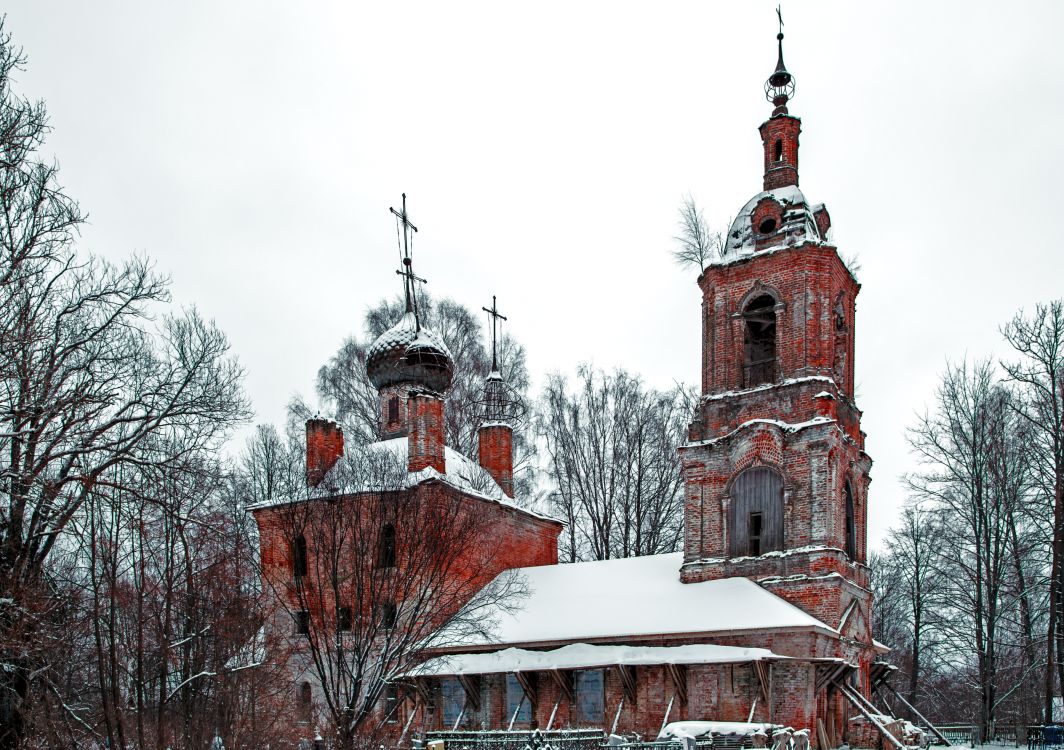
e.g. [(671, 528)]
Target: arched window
[(779, 149), (386, 547), (759, 341), (299, 556), (755, 519), (851, 525), (393, 410)]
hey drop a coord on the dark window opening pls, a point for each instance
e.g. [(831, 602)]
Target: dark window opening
[(305, 703), (755, 515), (302, 621), (767, 226), (343, 619), (299, 556), (386, 547), (753, 530), (779, 150), (393, 410), (518, 706), (389, 614), (759, 341), (391, 704), (851, 526)]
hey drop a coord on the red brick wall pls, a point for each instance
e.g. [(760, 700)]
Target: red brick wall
[(426, 425), (325, 446), (496, 454)]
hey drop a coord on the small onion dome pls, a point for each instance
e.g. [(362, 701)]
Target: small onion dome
[(404, 354)]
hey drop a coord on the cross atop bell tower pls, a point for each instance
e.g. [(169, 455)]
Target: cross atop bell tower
[(779, 133)]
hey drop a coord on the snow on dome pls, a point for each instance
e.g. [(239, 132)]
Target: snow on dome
[(404, 354), (797, 224)]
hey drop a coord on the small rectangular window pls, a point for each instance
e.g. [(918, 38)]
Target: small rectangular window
[(343, 619), (518, 706), (590, 697), (754, 529), (302, 621)]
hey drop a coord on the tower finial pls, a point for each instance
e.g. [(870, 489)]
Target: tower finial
[(495, 316), (779, 88), (407, 271)]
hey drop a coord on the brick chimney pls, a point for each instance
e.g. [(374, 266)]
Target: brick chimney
[(425, 418), (496, 454), (325, 446)]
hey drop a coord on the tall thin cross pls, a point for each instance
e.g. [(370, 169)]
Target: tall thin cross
[(407, 271), (495, 318), (779, 15)]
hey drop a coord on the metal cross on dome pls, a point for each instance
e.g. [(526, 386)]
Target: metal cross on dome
[(495, 316), (407, 271)]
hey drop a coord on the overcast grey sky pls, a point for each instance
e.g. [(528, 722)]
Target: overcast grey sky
[(253, 148)]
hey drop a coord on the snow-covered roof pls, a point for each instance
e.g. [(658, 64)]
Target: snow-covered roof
[(587, 656), (634, 597), (797, 225)]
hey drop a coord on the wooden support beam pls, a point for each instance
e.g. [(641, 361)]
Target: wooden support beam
[(527, 680), (471, 686), (761, 670), (563, 680), (678, 676), (867, 710), (931, 727), (627, 675)]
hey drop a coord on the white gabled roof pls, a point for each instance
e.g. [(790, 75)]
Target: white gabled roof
[(587, 656), (633, 597)]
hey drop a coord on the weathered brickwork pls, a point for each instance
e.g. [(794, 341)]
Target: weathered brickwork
[(426, 425), (496, 454), (325, 445)]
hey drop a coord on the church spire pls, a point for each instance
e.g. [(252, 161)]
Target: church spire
[(779, 88)]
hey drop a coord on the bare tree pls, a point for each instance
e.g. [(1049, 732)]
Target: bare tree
[(611, 458), (970, 461), (696, 243), (377, 575), (1039, 373), (94, 374)]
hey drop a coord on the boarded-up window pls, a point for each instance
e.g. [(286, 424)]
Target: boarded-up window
[(306, 704), (851, 525), (756, 513), (590, 699), (453, 699), (518, 706), (759, 341)]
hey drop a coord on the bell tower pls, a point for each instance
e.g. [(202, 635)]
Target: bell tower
[(775, 469)]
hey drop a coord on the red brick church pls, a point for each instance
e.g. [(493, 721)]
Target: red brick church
[(764, 617)]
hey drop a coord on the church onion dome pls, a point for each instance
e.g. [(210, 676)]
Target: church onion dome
[(774, 219), (412, 355)]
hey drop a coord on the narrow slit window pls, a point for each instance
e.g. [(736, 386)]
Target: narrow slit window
[(299, 556), (393, 410), (386, 547), (306, 700), (779, 150), (753, 547), (851, 525), (343, 619)]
